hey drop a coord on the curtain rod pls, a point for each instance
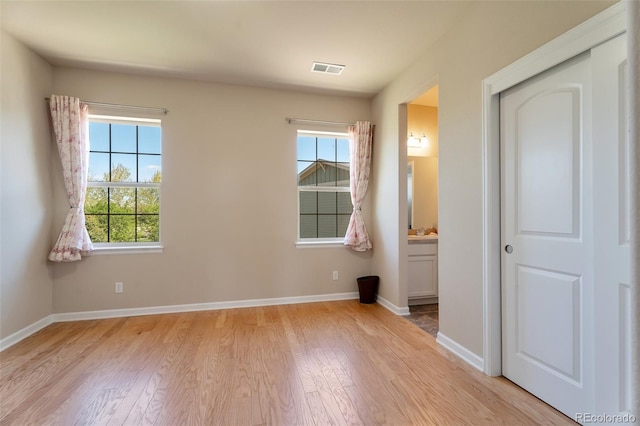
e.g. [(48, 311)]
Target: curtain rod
[(118, 106), (307, 121)]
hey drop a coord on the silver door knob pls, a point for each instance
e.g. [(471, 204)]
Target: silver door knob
[(508, 249)]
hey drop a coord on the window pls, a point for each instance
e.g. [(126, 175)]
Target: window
[(324, 200), (122, 205)]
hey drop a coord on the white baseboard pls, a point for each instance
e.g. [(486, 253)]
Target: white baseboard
[(211, 306), (25, 332), (153, 310), (462, 352), (393, 308), (423, 301)]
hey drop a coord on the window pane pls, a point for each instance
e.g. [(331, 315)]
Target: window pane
[(96, 201), (98, 167), (123, 138), (99, 136), (97, 227), (122, 200), (149, 168), (308, 226), (148, 200), (327, 149), (148, 228), (122, 228), (342, 178), (124, 153), (149, 140), (323, 161), (343, 223), (308, 202), (344, 203), (306, 148), (327, 202), (123, 167), (343, 150), (306, 173), (327, 227)]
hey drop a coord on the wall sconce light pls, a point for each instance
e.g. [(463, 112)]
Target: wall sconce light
[(415, 142)]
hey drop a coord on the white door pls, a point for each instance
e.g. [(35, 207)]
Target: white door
[(565, 221), (547, 235)]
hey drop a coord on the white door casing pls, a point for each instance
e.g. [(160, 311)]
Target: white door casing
[(547, 219)]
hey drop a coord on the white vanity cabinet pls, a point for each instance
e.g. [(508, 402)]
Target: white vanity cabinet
[(423, 269)]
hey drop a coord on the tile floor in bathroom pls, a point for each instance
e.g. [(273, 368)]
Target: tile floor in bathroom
[(425, 317)]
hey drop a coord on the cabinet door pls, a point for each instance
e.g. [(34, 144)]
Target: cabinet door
[(423, 273)]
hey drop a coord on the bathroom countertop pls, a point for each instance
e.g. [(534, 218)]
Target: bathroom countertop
[(419, 239)]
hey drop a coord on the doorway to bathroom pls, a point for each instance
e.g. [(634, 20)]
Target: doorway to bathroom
[(422, 210)]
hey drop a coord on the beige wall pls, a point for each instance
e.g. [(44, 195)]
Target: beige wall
[(25, 190), (229, 199), (424, 120), (488, 37)]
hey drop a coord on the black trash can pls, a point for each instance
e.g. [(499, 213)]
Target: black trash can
[(368, 288)]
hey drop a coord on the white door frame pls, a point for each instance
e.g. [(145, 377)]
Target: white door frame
[(587, 35)]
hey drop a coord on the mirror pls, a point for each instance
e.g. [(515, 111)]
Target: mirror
[(422, 192), (410, 192)]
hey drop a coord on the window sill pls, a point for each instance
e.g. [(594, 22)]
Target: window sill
[(99, 250), (319, 243)]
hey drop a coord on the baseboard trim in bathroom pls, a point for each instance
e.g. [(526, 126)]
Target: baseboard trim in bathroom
[(393, 308)]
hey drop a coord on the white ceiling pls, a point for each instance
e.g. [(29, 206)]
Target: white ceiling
[(259, 43)]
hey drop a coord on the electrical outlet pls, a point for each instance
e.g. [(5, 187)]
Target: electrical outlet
[(119, 287), (335, 275)]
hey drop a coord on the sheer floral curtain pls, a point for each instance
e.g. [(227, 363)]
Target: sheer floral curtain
[(71, 128), (360, 144)]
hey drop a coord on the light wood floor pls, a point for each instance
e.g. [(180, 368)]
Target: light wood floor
[(308, 364)]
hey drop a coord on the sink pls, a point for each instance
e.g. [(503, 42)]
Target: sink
[(423, 237)]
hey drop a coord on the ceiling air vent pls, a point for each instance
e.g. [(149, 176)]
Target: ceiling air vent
[(325, 68)]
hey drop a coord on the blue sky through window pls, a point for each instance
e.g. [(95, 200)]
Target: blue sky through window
[(149, 140), (123, 138), (99, 136), (123, 141)]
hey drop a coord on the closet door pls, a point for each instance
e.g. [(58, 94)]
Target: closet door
[(565, 229), (547, 233)]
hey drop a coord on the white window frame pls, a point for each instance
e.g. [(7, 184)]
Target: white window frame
[(129, 247), (318, 242)]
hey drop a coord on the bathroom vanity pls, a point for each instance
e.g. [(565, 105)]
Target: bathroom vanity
[(423, 269)]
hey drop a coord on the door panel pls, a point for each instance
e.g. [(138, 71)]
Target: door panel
[(550, 341), (612, 233), (548, 220), (548, 164)]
